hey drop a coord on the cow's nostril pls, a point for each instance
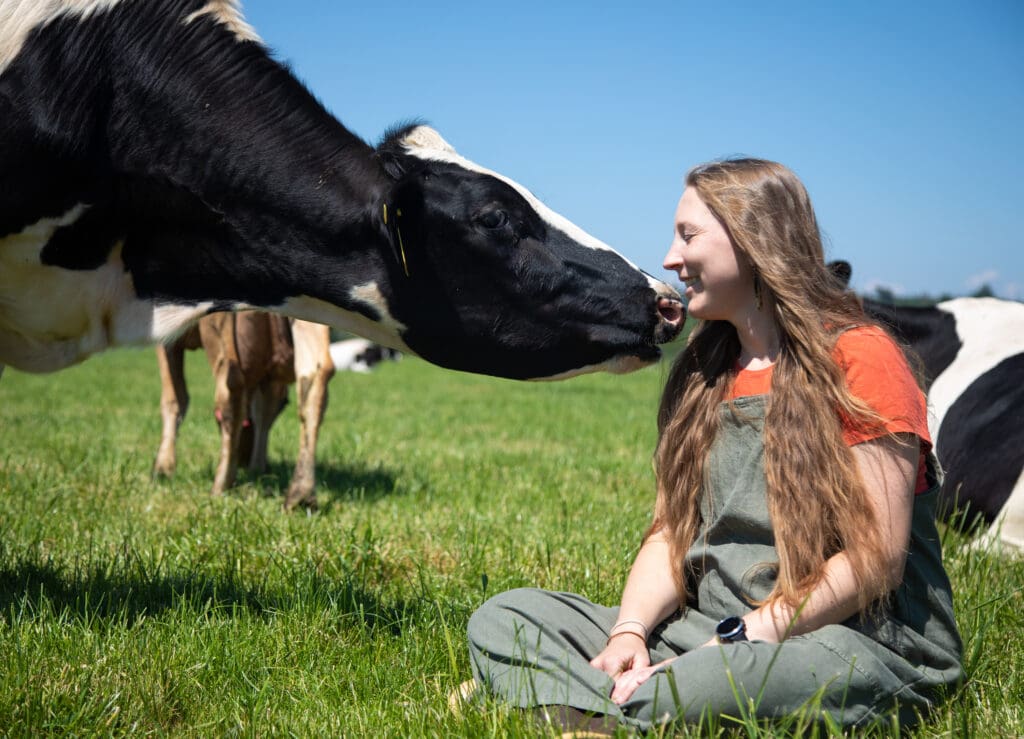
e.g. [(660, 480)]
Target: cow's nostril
[(671, 311)]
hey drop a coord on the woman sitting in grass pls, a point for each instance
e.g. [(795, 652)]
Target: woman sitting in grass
[(793, 562)]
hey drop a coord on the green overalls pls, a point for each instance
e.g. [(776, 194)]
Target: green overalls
[(532, 647)]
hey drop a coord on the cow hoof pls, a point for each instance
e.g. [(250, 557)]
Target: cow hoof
[(306, 501), (162, 472), (462, 695)]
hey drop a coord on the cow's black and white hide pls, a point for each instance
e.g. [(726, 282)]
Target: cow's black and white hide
[(156, 164), (972, 356), (972, 350)]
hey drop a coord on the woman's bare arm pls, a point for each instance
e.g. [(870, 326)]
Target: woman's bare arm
[(648, 598)]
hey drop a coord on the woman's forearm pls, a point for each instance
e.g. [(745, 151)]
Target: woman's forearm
[(832, 601), (649, 596), (647, 599)]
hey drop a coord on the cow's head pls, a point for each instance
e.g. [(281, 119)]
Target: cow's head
[(487, 279)]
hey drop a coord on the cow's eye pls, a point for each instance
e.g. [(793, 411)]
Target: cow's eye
[(493, 219)]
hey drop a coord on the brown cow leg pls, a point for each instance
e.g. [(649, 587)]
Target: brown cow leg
[(218, 333), (267, 402), (173, 405), (229, 404), (313, 370)]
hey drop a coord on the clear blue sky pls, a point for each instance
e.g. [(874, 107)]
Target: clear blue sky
[(904, 119)]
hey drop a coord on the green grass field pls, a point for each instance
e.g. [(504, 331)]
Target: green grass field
[(129, 606)]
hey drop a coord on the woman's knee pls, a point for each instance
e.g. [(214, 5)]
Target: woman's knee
[(501, 614)]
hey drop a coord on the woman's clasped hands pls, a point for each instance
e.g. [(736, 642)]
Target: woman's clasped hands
[(628, 662)]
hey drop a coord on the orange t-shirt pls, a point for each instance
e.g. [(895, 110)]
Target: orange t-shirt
[(876, 372)]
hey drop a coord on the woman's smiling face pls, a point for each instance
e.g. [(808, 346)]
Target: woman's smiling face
[(719, 279)]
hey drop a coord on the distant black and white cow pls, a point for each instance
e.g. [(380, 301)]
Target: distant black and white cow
[(157, 165), (359, 355), (972, 352)]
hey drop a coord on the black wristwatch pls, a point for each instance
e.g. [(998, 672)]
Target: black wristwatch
[(731, 629)]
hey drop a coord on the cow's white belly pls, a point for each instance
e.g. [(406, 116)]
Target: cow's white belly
[(52, 317)]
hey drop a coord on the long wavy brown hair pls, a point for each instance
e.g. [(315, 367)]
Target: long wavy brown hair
[(816, 498)]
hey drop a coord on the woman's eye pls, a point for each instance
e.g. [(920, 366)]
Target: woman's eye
[(493, 219)]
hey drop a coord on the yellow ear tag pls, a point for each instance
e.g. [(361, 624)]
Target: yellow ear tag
[(398, 232), (401, 246)]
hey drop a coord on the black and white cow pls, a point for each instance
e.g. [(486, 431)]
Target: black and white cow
[(972, 352), (157, 165)]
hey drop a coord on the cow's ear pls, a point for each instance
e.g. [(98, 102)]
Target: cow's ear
[(394, 164), (841, 270), (401, 167), (393, 150)]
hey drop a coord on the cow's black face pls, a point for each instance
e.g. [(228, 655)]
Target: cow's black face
[(487, 279)]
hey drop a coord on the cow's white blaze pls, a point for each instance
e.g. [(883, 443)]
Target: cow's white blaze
[(983, 348), (426, 143)]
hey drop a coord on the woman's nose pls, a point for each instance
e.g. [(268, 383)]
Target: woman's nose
[(674, 258)]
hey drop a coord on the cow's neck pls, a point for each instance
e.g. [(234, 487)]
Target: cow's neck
[(243, 171)]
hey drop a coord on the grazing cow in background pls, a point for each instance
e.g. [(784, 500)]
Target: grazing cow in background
[(157, 165), (972, 352), (254, 356), (359, 355)]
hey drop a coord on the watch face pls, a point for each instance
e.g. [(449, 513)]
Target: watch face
[(730, 628)]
